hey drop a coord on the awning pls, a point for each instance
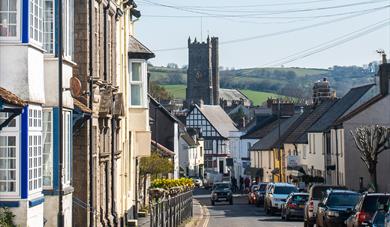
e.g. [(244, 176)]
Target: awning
[(81, 113), (11, 104)]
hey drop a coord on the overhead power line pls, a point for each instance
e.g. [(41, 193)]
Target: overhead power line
[(275, 33), (208, 12), (330, 44)]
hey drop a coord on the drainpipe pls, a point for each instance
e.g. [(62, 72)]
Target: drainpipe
[(90, 104), (105, 42), (113, 177), (337, 158), (61, 126)]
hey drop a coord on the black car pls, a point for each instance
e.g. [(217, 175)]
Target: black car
[(260, 194), (295, 205), (222, 192), (336, 207), (364, 210)]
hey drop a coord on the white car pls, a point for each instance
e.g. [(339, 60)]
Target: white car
[(276, 196)]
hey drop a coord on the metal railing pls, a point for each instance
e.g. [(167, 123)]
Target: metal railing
[(171, 212)]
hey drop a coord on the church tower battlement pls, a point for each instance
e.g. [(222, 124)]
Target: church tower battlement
[(203, 72)]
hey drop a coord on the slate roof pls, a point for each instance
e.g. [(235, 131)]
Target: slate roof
[(263, 126), (218, 118), (339, 108), (81, 106), (231, 94), (270, 140), (10, 98), (138, 50), (315, 114)]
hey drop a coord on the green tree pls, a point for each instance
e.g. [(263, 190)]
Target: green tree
[(159, 92), (6, 217)]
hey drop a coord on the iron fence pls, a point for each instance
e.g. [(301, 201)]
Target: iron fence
[(171, 212)]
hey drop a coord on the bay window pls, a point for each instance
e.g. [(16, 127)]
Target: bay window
[(48, 26), (67, 147), (9, 19), (8, 163), (34, 149), (68, 27), (36, 21), (47, 154), (137, 83)]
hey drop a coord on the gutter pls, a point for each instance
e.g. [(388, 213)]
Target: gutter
[(90, 103)]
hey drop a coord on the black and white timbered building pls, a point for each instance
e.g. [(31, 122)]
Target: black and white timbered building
[(216, 128)]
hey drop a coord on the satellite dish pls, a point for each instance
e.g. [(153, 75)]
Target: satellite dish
[(75, 86)]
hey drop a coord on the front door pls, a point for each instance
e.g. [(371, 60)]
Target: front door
[(221, 167)]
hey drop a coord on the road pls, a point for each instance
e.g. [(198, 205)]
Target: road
[(240, 214)]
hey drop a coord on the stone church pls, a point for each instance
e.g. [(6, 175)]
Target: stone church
[(203, 72)]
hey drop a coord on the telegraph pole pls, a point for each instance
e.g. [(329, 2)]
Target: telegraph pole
[(279, 151)]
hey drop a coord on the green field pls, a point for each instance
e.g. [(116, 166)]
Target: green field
[(257, 97)]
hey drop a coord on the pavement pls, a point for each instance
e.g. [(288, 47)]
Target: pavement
[(240, 214)]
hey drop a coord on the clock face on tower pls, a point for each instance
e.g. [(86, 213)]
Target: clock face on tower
[(198, 75)]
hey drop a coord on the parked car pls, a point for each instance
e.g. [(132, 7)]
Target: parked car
[(252, 194), (260, 194), (364, 210), (316, 193), (387, 216), (378, 219), (294, 206), (276, 196), (336, 207), (222, 191)]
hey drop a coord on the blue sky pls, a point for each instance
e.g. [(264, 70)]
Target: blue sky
[(293, 33)]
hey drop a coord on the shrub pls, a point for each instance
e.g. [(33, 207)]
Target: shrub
[(6, 217)]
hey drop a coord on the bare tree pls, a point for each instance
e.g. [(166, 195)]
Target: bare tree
[(371, 141)]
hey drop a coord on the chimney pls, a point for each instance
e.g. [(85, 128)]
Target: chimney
[(384, 78)]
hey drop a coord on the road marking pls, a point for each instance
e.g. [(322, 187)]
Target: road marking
[(206, 215)]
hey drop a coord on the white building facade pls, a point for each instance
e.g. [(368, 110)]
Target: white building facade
[(28, 38)]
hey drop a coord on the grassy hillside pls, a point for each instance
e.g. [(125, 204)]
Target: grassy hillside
[(257, 97), (291, 82)]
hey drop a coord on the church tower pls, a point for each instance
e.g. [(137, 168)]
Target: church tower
[(203, 72)]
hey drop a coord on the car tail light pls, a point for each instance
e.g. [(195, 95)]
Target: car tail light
[(292, 205), (311, 206), (362, 217)]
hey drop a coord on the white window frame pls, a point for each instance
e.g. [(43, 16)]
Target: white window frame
[(31, 160), (9, 128), (45, 132), (32, 26), (142, 83), (35, 129), (16, 193), (67, 146), (68, 17), (18, 23), (52, 25)]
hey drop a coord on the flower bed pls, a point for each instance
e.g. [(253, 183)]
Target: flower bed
[(161, 188)]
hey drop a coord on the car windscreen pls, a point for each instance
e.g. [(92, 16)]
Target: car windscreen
[(263, 187), (372, 202), (319, 191), (300, 198), (221, 186), (284, 190), (343, 199)]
